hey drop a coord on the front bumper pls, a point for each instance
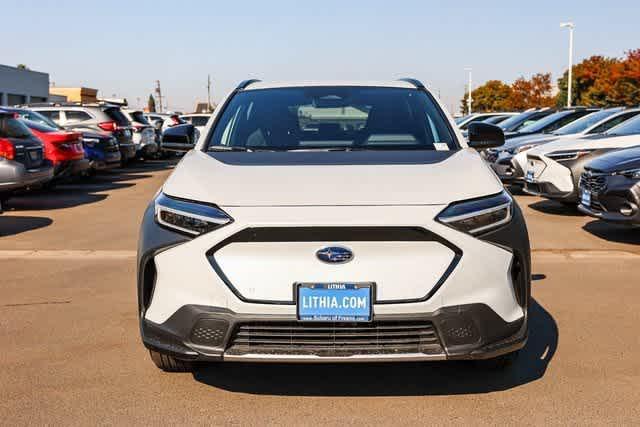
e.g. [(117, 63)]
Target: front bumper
[(15, 176), (619, 193), (508, 170), (483, 303), (201, 333)]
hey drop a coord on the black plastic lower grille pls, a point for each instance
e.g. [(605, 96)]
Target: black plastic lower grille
[(334, 339)]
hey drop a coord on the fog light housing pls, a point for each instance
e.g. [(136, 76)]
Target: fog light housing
[(627, 209), (209, 332)]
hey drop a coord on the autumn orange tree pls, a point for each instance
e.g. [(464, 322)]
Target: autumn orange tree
[(601, 81), (495, 95)]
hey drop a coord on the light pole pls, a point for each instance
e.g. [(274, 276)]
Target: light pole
[(469, 100), (570, 26)]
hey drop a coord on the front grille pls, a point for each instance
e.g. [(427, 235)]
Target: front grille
[(335, 339), (594, 183)]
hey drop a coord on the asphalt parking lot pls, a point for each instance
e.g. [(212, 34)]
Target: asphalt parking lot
[(71, 352)]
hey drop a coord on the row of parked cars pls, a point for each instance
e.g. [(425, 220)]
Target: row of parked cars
[(580, 156), (43, 144)]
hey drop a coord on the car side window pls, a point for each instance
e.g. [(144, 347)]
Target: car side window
[(74, 116), (613, 122), (51, 114)]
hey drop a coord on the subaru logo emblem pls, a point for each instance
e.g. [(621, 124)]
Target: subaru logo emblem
[(334, 255)]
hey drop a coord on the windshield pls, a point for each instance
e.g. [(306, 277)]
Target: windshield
[(38, 118), (586, 122), (12, 128), (138, 116), (630, 127), (552, 122), (117, 116), (340, 117), (459, 120), (515, 123), (40, 127)]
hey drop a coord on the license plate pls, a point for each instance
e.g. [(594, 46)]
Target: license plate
[(334, 302), (529, 176), (34, 155), (586, 198)]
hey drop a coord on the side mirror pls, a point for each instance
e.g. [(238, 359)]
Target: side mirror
[(158, 124), (484, 135), (179, 138)]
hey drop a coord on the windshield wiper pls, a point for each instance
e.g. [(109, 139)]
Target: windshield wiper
[(228, 148)]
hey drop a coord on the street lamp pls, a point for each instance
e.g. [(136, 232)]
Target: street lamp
[(570, 26), (469, 94)]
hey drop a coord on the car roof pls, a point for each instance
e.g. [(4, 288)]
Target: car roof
[(316, 83)]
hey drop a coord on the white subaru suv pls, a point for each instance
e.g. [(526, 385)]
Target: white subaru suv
[(333, 222)]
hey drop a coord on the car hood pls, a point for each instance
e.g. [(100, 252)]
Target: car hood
[(332, 178), (519, 141), (594, 142), (617, 161)]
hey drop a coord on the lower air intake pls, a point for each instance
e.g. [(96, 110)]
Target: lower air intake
[(334, 339)]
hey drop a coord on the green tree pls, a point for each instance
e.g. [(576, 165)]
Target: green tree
[(22, 67), (151, 104)]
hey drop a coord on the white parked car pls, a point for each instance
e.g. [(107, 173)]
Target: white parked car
[(553, 170), (334, 222), (199, 120), (144, 134), (509, 162)]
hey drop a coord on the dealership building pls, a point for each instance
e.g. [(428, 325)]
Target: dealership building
[(20, 86)]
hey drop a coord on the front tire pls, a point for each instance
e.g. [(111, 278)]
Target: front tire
[(169, 363)]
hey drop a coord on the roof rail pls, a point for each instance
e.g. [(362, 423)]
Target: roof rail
[(417, 83), (70, 104), (245, 83)]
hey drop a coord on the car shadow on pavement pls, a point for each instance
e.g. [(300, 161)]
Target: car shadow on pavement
[(393, 379), (613, 232), (10, 225), (552, 207)]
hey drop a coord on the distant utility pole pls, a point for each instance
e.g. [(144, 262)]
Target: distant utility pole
[(469, 99), (208, 93), (159, 95), (570, 26)]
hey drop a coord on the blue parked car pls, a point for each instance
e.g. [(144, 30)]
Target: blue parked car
[(100, 147)]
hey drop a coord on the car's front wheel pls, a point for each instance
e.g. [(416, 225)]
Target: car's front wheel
[(169, 363)]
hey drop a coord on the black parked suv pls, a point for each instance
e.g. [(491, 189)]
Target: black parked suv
[(610, 187), (92, 117)]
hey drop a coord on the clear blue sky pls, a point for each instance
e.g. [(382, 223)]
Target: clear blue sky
[(122, 47)]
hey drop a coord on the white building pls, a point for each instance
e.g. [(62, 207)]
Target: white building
[(20, 86)]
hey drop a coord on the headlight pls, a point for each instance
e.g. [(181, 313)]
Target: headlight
[(567, 155), (91, 142), (479, 215), (631, 173), (193, 218)]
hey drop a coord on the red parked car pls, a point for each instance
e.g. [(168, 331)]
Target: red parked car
[(62, 148)]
